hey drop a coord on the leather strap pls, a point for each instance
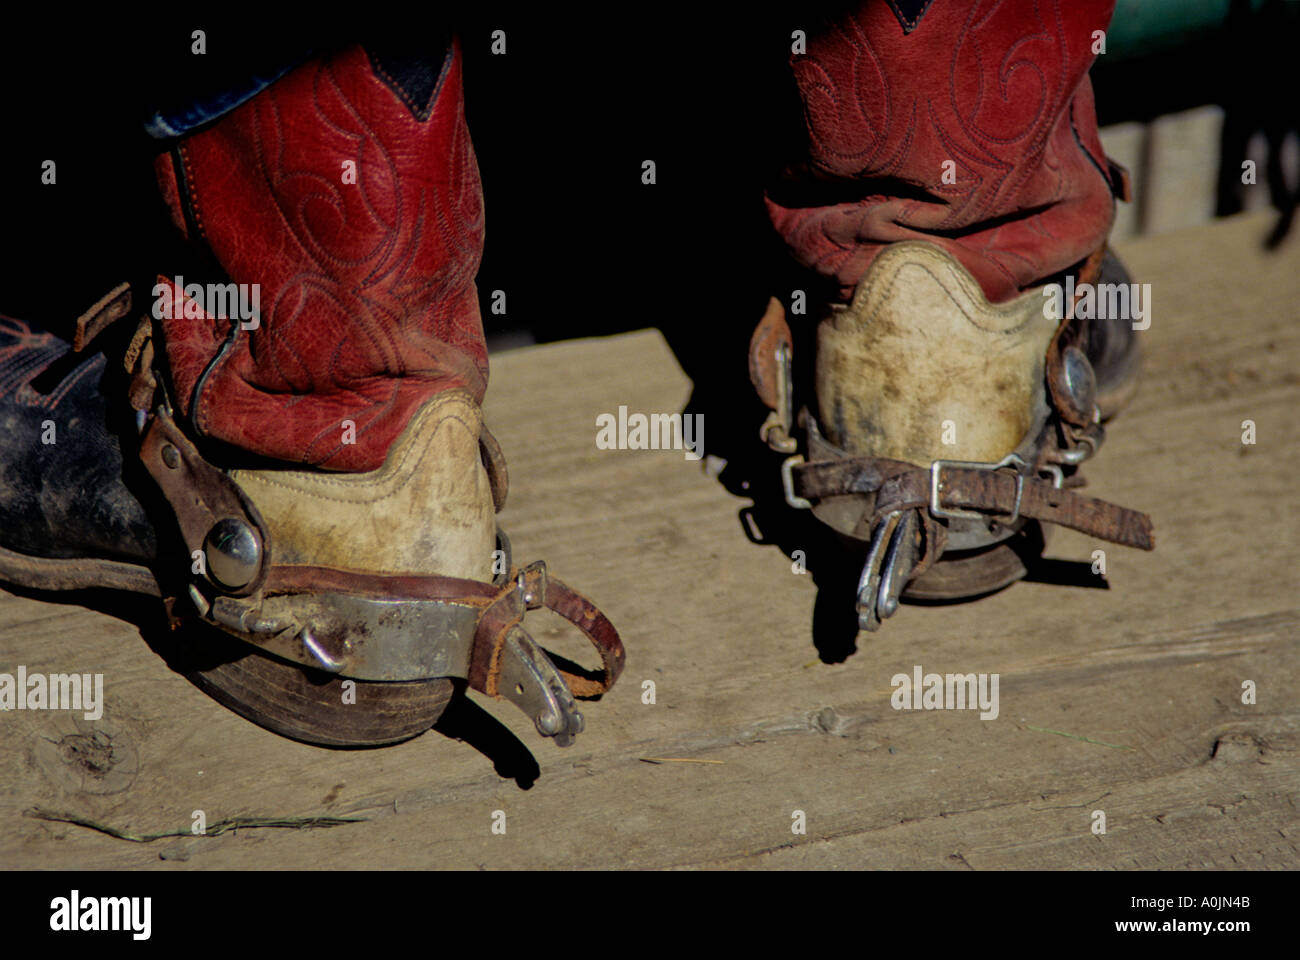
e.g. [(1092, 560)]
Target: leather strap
[(286, 578), (494, 462), (1072, 331), (964, 488), (495, 623), (110, 308), (584, 615), (764, 369), (770, 358), (539, 590), (198, 492), (845, 475)]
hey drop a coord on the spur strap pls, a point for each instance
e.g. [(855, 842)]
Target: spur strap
[(949, 488)]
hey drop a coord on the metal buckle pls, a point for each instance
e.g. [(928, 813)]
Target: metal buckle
[(530, 584), (787, 483), (1010, 460)]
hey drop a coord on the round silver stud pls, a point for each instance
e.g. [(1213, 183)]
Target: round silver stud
[(1080, 381), (233, 553)]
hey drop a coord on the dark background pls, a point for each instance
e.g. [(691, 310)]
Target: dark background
[(561, 125)]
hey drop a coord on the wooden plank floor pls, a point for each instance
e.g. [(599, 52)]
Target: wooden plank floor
[(1126, 700)]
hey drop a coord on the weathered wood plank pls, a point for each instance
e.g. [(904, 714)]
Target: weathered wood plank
[(723, 627)]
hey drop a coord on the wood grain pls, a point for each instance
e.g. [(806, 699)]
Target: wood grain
[(1126, 700)]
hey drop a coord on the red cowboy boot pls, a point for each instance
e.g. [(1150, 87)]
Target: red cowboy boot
[(953, 174), (355, 203), (309, 410)]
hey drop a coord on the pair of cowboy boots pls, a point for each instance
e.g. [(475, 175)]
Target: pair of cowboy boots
[(289, 448)]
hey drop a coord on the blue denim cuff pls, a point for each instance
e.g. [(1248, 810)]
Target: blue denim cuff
[(167, 124)]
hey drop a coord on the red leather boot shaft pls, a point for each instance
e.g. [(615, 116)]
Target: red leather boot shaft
[(997, 87), (368, 304)]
